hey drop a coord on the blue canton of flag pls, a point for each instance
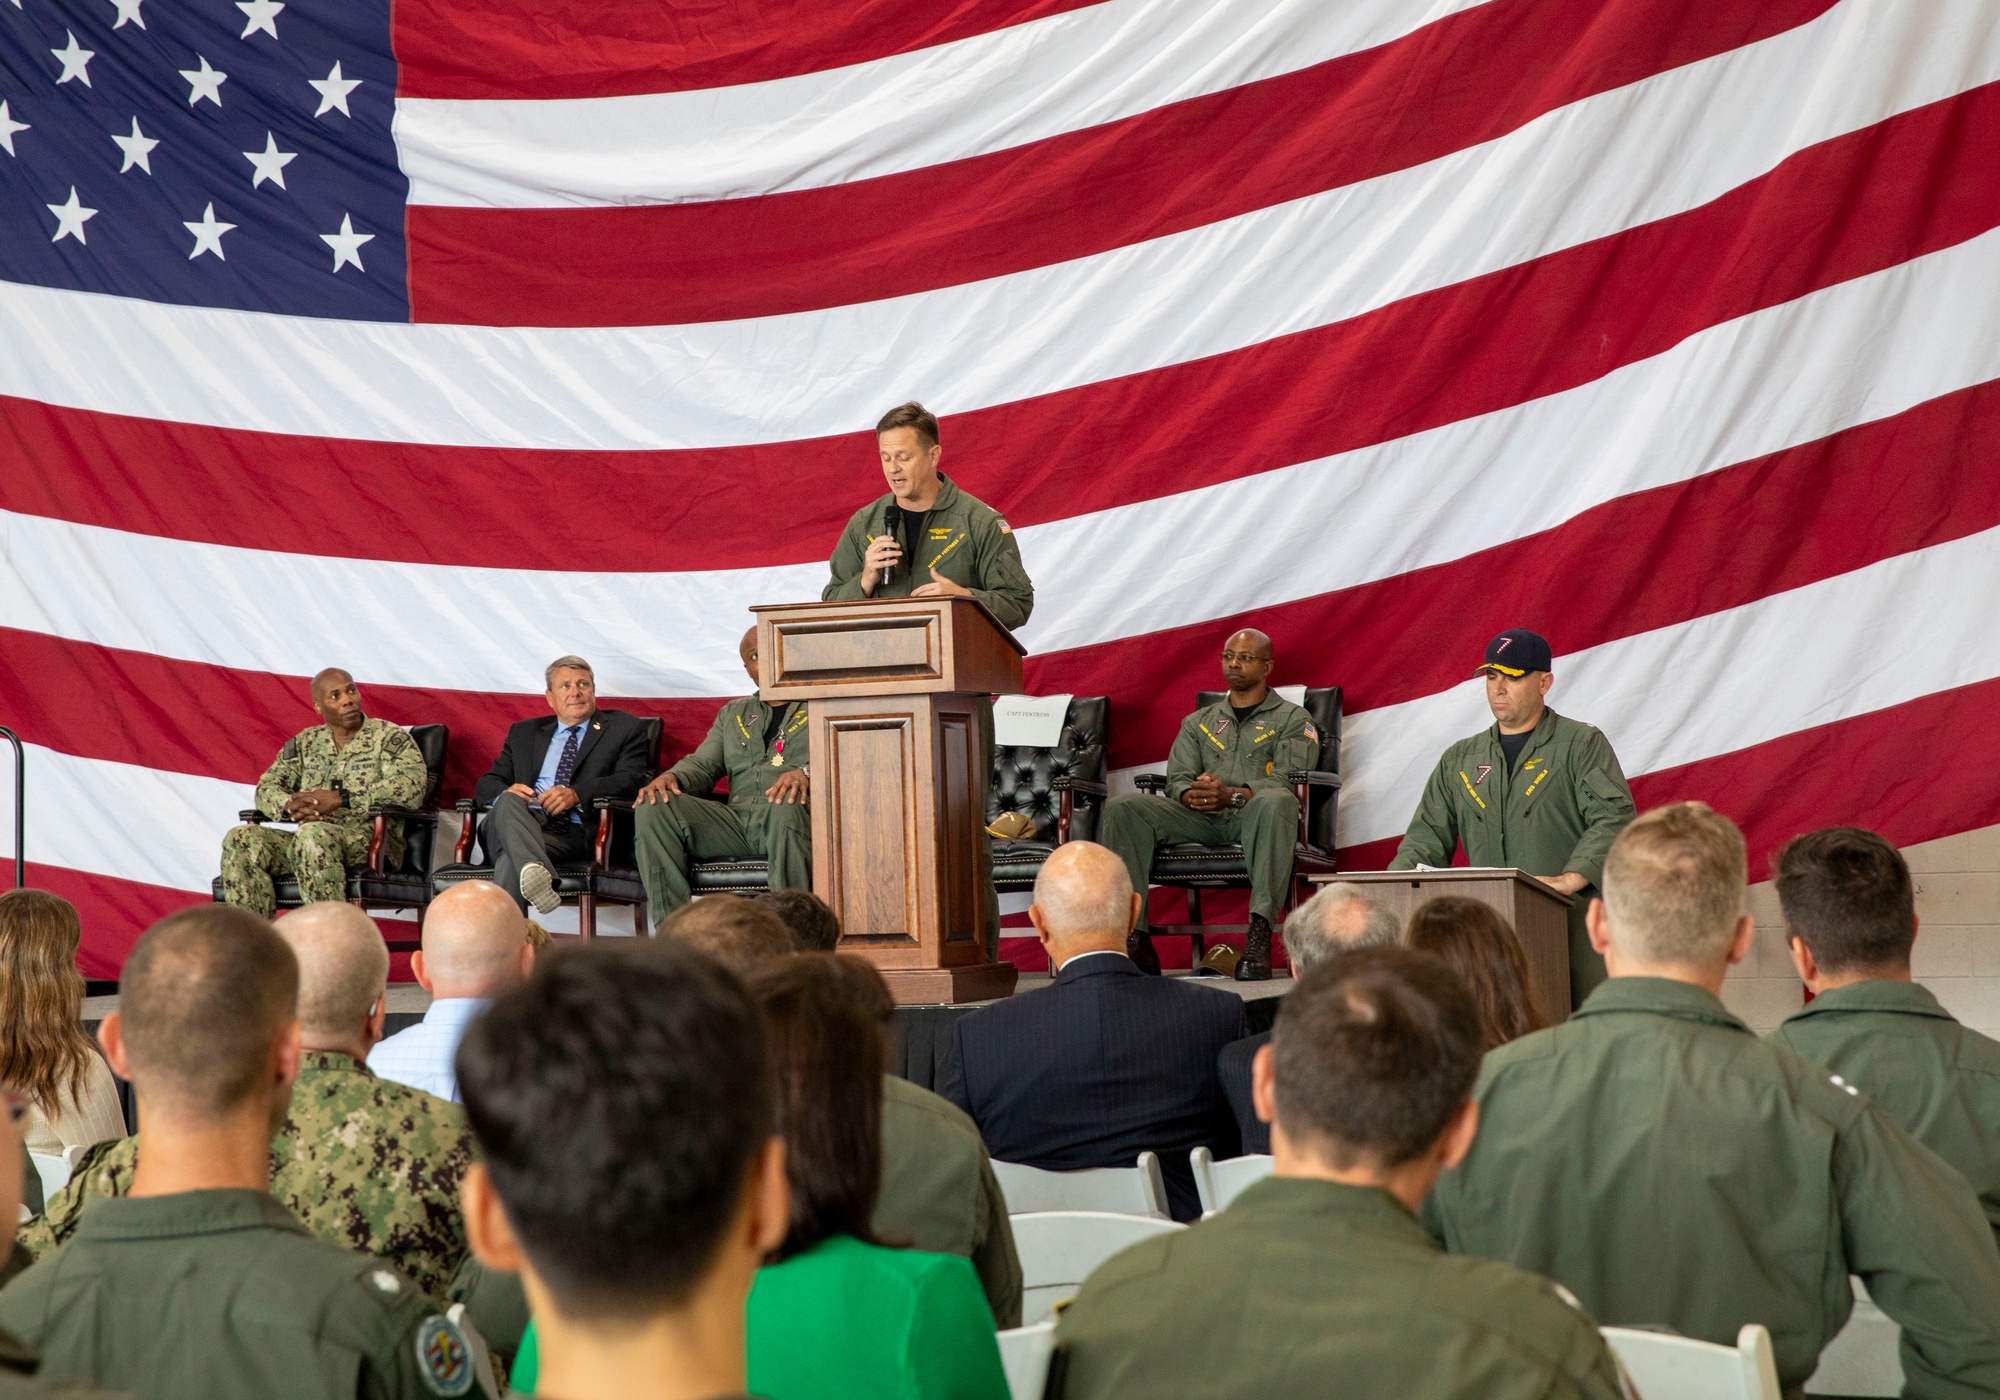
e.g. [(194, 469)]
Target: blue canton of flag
[(229, 153)]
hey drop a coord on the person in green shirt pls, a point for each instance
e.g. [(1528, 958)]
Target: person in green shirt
[(622, 1099), (1226, 782), (1670, 1169), (1850, 919), (1320, 1280), (1537, 792), (197, 1283), (835, 1313), (929, 539), (762, 750)]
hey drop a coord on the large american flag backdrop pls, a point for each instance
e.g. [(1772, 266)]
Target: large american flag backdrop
[(435, 340)]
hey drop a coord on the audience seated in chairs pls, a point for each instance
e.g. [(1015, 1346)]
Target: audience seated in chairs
[(815, 927), (739, 933), (1672, 1170), (1338, 917), (198, 1282), (1320, 1280), (475, 946), (363, 1163), (1473, 940), (1106, 1062), (628, 1170), (1851, 918), (72, 1100), (838, 1312), (547, 776)]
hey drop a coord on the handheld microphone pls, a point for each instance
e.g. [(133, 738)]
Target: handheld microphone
[(893, 519)]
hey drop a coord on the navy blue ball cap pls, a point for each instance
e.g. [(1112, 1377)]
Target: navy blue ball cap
[(1516, 652)]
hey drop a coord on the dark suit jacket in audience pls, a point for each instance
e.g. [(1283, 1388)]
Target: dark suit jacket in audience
[(610, 762), (1233, 1066), (1098, 1067)]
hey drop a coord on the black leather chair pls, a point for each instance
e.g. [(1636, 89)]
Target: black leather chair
[(1194, 867), (373, 885), (1061, 790), (609, 877)]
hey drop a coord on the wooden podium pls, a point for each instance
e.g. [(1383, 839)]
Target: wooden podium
[(1540, 916), (901, 762)]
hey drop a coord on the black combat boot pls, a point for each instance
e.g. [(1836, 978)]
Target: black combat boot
[(1139, 948), (1255, 964)]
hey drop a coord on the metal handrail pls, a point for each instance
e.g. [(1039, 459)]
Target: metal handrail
[(20, 808)]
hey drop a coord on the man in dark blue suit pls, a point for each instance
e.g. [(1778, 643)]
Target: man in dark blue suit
[(1108, 1062)]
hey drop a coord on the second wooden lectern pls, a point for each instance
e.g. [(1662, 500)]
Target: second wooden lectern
[(901, 745), (1540, 916)]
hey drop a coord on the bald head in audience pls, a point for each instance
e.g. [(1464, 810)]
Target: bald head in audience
[(475, 943), (207, 1032), (738, 933), (1083, 902), (343, 977), (1336, 919)]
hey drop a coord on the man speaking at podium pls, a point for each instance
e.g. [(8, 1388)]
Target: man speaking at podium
[(928, 539), (1537, 792)]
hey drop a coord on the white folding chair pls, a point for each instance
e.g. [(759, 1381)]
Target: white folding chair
[(1024, 1355), (1139, 1190), (1866, 1357), (1665, 1367), (53, 1170), (1219, 1183), (1059, 1248)]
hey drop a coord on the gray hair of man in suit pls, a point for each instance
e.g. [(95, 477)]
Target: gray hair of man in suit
[(1337, 919), (1084, 902)]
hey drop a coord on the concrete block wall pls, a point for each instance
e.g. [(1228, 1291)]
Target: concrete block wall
[(1957, 952)]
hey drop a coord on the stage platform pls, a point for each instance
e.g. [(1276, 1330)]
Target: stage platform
[(922, 1043)]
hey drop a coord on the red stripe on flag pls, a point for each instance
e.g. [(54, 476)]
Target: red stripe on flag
[(1484, 72), (610, 48), (217, 722), (1920, 478), (1840, 210)]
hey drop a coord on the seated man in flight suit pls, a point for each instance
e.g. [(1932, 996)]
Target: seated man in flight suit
[(762, 751), (1226, 783)]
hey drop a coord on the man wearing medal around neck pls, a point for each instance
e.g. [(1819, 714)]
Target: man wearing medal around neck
[(762, 750), (929, 539)]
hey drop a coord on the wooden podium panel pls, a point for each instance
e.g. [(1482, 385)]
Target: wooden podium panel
[(1539, 914), (901, 737)]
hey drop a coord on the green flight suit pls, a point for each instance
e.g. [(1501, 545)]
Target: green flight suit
[(1308, 1289), (1557, 812), (969, 543), (364, 1163), (216, 1295), (1918, 1064), (669, 836), (939, 1193), (1670, 1169), (1277, 738), (18, 1364), (381, 766)]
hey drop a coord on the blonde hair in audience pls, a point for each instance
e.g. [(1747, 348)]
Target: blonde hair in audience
[(44, 1054), (1673, 885)]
